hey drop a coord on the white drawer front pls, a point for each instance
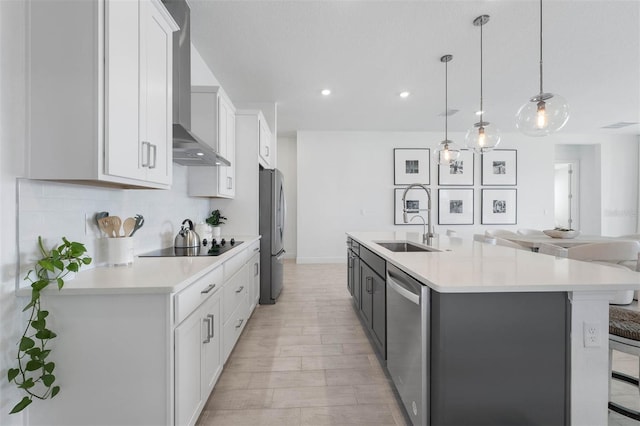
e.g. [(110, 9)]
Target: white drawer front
[(233, 293), (191, 297), (234, 326), (234, 264)]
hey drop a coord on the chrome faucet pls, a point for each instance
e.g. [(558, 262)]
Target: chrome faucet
[(427, 236)]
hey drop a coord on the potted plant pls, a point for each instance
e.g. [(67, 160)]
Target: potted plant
[(215, 220), (35, 373)]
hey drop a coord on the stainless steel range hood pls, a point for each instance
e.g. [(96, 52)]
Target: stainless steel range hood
[(188, 149)]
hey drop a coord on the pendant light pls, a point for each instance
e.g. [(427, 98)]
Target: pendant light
[(544, 113), (447, 151), (482, 136)]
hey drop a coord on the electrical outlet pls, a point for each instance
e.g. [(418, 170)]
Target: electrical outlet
[(591, 335)]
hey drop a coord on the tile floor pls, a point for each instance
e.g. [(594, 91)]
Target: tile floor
[(306, 361)]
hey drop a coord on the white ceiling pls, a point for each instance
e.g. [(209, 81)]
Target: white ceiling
[(367, 52)]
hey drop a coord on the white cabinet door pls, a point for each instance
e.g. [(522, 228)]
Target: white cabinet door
[(254, 280), (266, 154), (122, 79), (156, 55), (211, 347), (188, 361)]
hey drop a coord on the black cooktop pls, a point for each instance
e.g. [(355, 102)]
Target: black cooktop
[(205, 250)]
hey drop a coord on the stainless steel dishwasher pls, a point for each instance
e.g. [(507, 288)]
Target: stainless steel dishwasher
[(408, 341)]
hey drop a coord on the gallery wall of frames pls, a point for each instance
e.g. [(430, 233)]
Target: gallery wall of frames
[(456, 189)]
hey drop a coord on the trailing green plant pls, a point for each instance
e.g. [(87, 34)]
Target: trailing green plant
[(216, 218), (34, 373)]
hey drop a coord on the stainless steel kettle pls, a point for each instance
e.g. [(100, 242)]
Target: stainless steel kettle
[(187, 237)]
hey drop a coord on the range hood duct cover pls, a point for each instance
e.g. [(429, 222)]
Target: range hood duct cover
[(188, 149)]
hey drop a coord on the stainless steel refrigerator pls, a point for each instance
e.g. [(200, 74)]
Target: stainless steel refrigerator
[(272, 221)]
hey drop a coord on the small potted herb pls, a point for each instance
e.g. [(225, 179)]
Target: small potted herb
[(215, 220)]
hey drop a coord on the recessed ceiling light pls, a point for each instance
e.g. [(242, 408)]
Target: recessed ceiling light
[(404, 94), (200, 154), (479, 112), (326, 92)]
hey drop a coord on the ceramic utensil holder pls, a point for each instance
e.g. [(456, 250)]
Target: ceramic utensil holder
[(119, 251)]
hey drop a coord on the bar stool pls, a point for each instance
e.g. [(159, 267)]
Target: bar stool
[(624, 336)]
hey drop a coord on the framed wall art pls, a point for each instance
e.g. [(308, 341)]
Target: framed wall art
[(459, 172), (411, 165), (416, 200), (455, 206), (499, 206), (500, 167)]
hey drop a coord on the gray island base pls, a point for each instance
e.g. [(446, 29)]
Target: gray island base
[(485, 335)]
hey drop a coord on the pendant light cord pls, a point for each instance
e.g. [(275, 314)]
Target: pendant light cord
[(541, 91), (481, 104), (446, 101)]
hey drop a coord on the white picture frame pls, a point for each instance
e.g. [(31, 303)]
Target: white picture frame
[(411, 165), (455, 206), (500, 167), (499, 206), (416, 197), (460, 172)]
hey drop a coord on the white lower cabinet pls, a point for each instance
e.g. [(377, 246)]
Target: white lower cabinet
[(198, 361), (145, 357), (254, 280)]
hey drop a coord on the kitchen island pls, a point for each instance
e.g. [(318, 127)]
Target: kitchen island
[(144, 344), (512, 336)]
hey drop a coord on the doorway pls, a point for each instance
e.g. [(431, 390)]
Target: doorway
[(566, 195)]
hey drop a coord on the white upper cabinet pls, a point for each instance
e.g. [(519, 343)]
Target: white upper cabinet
[(100, 92), (213, 119), (266, 153)]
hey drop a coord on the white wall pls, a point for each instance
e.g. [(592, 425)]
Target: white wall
[(345, 183), (287, 163)]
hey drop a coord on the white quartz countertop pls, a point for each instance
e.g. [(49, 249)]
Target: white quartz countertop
[(467, 266), (146, 274)]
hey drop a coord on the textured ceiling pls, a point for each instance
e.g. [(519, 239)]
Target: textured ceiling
[(367, 52)]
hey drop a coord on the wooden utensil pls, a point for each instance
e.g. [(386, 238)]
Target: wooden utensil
[(117, 224), (128, 226), (106, 226)]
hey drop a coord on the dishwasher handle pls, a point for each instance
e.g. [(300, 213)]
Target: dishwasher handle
[(395, 283)]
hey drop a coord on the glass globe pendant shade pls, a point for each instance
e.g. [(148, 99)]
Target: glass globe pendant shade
[(544, 114), (446, 153), (482, 137)]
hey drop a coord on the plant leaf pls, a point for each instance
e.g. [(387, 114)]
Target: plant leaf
[(21, 405), (86, 260), (26, 343), (54, 391), (38, 325), (48, 379), (49, 367), (12, 374), (33, 365), (46, 264), (43, 314), (27, 384), (60, 283), (34, 352), (45, 334)]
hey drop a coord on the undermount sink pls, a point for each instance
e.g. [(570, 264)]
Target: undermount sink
[(404, 246)]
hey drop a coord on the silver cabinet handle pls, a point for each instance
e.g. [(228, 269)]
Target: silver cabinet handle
[(208, 289), (229, 182), (240, 323), (208, 330), (212, 331), (155, 155), (240, 289), (267, 149), (147, 152), (256, 249), (257, 269), (369, 288)]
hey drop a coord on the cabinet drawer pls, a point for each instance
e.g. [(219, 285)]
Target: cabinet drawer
[(234, 326), (233, 293), (378, 264), (191, 297), (234, 264)]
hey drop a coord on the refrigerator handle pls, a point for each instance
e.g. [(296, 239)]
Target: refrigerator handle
[(284, 213), (280, 255)]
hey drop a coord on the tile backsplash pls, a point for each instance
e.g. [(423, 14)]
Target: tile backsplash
[(54, 210)]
